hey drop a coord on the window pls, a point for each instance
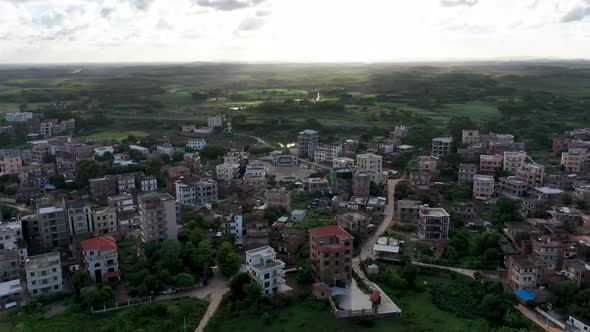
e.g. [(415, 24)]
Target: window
[(34, 282), (56, 286)]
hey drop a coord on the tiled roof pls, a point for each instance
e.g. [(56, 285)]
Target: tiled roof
[(102, 243), (331, 230)]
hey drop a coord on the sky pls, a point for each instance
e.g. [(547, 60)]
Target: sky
[(77, 31)]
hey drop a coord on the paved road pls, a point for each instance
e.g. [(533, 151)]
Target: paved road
[(212, 308), (465, 272), (258, 139), (367, 248)]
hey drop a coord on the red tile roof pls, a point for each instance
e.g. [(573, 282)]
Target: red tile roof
[(331, 230), (102, 243)]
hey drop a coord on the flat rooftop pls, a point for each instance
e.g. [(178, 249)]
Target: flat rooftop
[(10, 287), (42, 261), (434, 212)]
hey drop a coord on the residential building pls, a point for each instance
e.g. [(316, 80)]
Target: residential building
[(316, 185), (101, 188), (233, 225), (330, 251), (483, 187), (399, 132), (148, 183), (298, 216), (235, 157), (522, 272), (9, 264), (279, 199), (371, 164), (442, 146), (464, 210), (420, 178), (575, 160), (196, 144), (53, 224), (11, 293), (145, 151), (355, 223), (307, 141), (257, 234), (532, 174), (104, 220), (196, 193), (547, 253), (433, 223), (342, 163), (125, 183), (122, 203), (512, 186), (428, 164), (36, 175), (470, 137), (566, 216), (79, 217), (361, 184), (100, 258), (342, 181), (165, 149), (387, 248), (467, 172), (326, 152), (10, 165), (214, 121), (578, 324), (44, 275), (284, 159), (265, 269), (583, 193), (173, 174), (18, 116), (227, 172), (490, 164), (66, 164), (104, 149), (404, 148), (408, 211), (157, 213), (578, 271), (514, 160)]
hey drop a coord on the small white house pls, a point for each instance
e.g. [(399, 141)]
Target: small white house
[(165, 149), (263, 267), (297, 216), (578, 324), (196, 144)]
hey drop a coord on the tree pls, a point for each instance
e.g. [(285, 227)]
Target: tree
[(392, 279), (169, 256), (507, 210), (204, 254), (184, 280), (236, 286), (228, 260), (564, 292), (212, 152), (253, 293), (88, 169), (177, 156), (80, 280), (95, 296), (410, 273), (196, 235), (566, 198)]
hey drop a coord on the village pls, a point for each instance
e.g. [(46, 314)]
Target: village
[(335, 211)]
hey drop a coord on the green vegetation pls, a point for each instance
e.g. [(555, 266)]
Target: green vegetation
[(114, 136), (162, 316)]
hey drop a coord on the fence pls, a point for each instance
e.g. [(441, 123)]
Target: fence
[(550, 318), (117, 306)]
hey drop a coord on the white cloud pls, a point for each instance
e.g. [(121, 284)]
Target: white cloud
[(290, 30)]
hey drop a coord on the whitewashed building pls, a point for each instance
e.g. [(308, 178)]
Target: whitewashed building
[(264, 268)]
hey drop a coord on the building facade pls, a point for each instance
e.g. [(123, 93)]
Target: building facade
[(44, 275), (157, 213), (100, 257), (433, 223), (265, 269), (331, 254)]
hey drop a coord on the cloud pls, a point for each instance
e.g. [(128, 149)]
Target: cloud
[(456, 3), (106, 12), (143, 5), (53, 19), (262, 13), (229, 5), (251, 23), (164, 25), (576, 14)]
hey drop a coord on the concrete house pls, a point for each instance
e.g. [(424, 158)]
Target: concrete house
[(44, 275), (264, 268), (442, 146), (330, 250), (100, 258), (483, 187), (433, 223)]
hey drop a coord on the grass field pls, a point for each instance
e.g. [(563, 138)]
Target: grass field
[(418, 314), (111, 135), (162, 316)]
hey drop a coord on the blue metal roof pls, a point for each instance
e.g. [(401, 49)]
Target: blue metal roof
[(337, 291), (524, 294)]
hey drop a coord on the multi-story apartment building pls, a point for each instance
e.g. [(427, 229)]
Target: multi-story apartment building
[(196, 193), (326, 152), (566, 216), (547, 253), (235, 157), (227, 172), (9, 264), (307, 141), (399, 132), (483, 187), (470, 137), (514, 160), (512, 186), (125, 183), (522, 272), (66, 164), (148, 183), (361, 184), (265, 269), (575, 160), (44, 275), (11, 293), (428, 164), (343, 163), (578, 271), (196, 144), (232, 224), (122, 203), (104, 220), (79, 217), (582, 193), (355, 223), (532, 174), (10, 165), (330, 251), (490, 164), (433, 223), (165, 149), (214, 121), (467, 172), (408, 211), (464, 210), (36, 175), (100, 257), (53, 224), (371, 164), (101, 188), (39, 151), (157, 213), (278, 198), (18, 116), (442, 146)]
